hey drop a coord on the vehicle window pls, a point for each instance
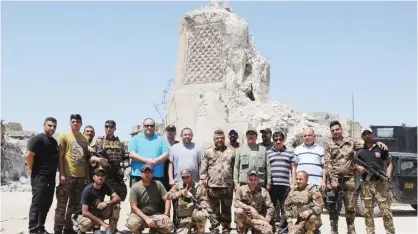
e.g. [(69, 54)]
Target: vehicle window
[(409, 167)]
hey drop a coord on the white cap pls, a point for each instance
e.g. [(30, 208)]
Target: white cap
[(366, 129)]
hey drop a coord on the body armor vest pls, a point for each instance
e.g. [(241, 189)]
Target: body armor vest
[(112, 151), (299, 201), (185, 205)]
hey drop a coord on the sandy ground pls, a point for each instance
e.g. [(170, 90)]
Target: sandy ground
[(15, 208)]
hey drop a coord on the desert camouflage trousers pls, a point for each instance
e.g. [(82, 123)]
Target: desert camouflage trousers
[(377, 190), (70, 193), (305, 227), (244, 222), (111, 212), (135, 223), (197, 221), (220, 202), (349, 202)]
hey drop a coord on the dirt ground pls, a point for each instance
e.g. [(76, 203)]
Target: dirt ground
[(15, 209)]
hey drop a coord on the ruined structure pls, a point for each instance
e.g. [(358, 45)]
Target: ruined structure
[(223, 82)]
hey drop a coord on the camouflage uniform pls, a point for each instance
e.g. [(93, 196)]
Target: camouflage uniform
[(188, 216), (377, 190), (114, 151), (216, 168), (260, 201), (135, 223), (300, 200), (111, 212), (338, 162), (71, 190)]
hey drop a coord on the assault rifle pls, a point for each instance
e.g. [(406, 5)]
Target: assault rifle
[(197, 205), (334, 203), (374, 170)]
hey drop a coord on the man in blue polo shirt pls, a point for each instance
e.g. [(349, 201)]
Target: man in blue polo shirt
[(148, 148)]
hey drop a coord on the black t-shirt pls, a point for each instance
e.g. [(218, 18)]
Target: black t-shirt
[(92, 196), (373, 155), (46, 155)]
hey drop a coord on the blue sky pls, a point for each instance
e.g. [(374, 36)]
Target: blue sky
[(112, 60)]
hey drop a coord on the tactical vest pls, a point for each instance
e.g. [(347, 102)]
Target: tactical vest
[(299, 201), (252, 159), (185, 205), (113, 151)]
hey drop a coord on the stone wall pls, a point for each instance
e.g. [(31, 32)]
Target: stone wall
[(223, 82)]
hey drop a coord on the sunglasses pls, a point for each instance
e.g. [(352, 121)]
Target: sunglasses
[(109, 126), (148, 126), (100, 175)]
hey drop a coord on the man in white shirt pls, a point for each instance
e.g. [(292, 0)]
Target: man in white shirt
[(310, 158)]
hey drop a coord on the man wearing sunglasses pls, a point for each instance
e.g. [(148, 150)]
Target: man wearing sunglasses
[(148, 148), (283, 167), (110, 153)]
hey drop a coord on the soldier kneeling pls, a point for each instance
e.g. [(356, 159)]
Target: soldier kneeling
[(303, 206), (189, 213), (94, 210), (250, 202)]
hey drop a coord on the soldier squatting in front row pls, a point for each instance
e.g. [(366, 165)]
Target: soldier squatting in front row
[(254, 209)]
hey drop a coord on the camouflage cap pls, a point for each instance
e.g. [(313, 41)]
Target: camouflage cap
[(252, 172), (147, 167), (185, 172)]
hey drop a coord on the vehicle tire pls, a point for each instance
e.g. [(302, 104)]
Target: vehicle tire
[(414, 206)]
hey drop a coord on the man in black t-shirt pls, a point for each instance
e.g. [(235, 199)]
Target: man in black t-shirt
[(373, 188), (42, 163), (94, 210)]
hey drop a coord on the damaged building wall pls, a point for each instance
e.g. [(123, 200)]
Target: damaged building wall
[(222, 82)]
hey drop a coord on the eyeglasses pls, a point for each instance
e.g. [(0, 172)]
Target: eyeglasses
[(149, 126), (109, 126)]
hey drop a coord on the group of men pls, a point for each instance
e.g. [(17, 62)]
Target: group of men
[(199, 184)]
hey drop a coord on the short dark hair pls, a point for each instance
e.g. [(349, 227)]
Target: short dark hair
[(279, 134), (219, 132), (89, 126), (52, 119), (186, 128), (112, 122), (76, 117), (333, 123)]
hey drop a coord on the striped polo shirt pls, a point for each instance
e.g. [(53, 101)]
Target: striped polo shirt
[(311, 160), (280, 161)]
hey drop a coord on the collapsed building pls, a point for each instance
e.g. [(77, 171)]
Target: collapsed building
[(222, 82)]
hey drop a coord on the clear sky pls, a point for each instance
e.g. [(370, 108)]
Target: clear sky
[(112, 60)]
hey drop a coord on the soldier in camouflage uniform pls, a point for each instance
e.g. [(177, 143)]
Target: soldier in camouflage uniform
[(339, 152), (111, 156), (373, 188), (187, 214), (253, 207), (303, 206), (216, 175)]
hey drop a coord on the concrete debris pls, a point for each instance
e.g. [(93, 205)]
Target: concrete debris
[(222, 82)]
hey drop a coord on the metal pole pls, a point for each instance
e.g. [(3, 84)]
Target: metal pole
[(352, 106)]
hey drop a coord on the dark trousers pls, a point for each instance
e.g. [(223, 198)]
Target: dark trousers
[(42, 196), (278, 195)]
